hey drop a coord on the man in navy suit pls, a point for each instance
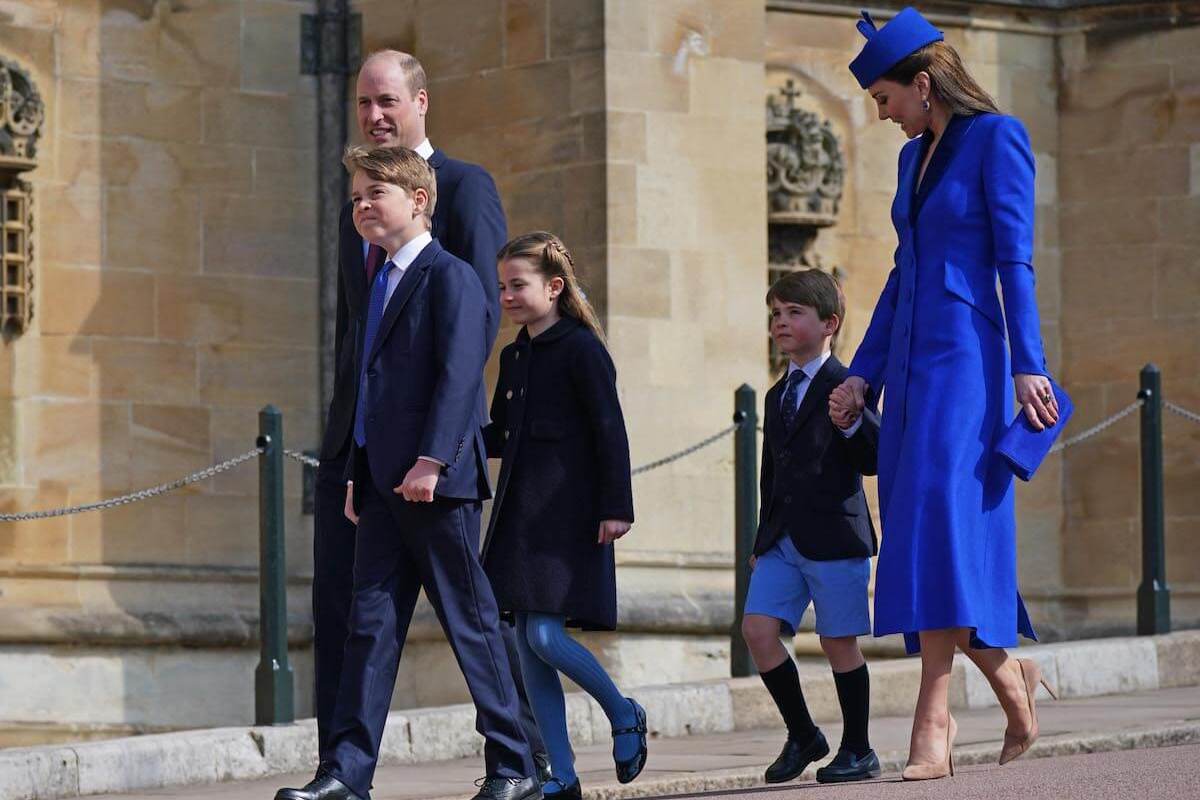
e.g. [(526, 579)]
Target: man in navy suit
[(417, 475), (468, 221)]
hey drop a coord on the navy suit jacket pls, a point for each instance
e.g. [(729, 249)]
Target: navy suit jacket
[(812, 476), (468, 220), (424, 380)]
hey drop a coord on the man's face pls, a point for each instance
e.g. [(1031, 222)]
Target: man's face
[(389, 115)]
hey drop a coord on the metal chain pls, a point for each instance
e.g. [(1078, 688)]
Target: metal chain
[(143, 494), (662, 462), (303, 458), (1183, 412), (1098, 427)]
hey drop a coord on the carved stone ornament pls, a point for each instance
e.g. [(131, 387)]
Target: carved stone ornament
[(21, 115), (805, 169)]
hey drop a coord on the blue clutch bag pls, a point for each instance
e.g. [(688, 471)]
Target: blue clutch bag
[(1024, 448)]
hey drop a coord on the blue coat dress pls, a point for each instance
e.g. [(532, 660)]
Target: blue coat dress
[(938, 349)]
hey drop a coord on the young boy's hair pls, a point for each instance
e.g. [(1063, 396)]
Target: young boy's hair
[(814, 288), (398, 166)]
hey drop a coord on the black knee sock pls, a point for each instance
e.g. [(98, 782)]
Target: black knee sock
[(783, 682), (854, 696)]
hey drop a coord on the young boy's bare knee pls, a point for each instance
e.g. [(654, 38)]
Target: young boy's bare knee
[(762, 638), (843, 652)]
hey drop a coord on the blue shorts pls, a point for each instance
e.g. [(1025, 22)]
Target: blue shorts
[(784, 582)]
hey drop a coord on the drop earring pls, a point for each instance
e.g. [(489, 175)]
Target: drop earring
[(925, 105)]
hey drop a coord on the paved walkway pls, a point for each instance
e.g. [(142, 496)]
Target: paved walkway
[(731, 760)]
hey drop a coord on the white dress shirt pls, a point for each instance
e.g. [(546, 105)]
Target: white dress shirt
[(810, 371), (402, 260)]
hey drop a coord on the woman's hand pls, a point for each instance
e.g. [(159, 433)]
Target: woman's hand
[(847, 401), (613, 529), (1037, 400)]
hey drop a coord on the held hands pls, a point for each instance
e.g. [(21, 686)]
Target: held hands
[(612, 529), (419, 483), (847, 401), (1037, 400), (348, 509)]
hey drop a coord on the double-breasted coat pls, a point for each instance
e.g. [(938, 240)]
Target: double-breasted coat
[(937, 347), (558, 428)]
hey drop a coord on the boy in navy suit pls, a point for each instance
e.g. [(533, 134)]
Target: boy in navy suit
[(815, 535), (417, 475)]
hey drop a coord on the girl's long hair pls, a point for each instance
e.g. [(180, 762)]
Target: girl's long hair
[(948, 79), (552, 260)]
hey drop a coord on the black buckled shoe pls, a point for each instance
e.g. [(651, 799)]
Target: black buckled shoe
[(562, 791), (846, 767), (322, 787), (541, 763), (498, 788), (629, 769), (795, 758)]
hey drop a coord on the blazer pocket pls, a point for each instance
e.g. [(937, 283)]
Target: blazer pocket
[(547, 429), (984, 301)]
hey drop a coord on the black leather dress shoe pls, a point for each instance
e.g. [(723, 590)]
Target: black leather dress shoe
[(322, 787), (497, 788), (541, 761), (561, 791), (846, 767), (795, 758)]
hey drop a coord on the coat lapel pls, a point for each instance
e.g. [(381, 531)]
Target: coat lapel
[(818, 390), (772, 419), (942, 157), (404, 290)]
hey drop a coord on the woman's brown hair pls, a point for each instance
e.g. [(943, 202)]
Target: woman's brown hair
[(948, 78), (551, 259)]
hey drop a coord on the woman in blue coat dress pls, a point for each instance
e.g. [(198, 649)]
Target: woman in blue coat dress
[(937, 347)]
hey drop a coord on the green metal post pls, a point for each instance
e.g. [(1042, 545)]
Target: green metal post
[(745, 500), (1154, 596), (273, 694)]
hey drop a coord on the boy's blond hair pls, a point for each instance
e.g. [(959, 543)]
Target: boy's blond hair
[(398, 166)]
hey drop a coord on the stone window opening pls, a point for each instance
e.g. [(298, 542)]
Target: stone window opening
[(21, 114)]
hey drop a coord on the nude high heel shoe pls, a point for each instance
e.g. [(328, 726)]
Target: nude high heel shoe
[(1031, 676), (928, 772)]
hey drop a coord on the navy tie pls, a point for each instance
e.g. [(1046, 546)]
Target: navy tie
[(790, 395), (374, 317)]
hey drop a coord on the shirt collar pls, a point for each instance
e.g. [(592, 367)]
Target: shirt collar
[(408, 253), (424, 149), (811, 368)]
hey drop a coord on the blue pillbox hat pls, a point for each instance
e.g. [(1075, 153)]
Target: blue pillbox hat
[(906, 33)]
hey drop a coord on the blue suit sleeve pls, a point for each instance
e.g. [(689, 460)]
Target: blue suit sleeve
[(1008, 181), (871, 357), (461, 350), (481, 231)]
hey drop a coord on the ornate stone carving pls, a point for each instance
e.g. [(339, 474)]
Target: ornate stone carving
[(805, 170), (21, 114)]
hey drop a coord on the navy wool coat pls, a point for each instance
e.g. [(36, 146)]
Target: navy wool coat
[(557, 425)]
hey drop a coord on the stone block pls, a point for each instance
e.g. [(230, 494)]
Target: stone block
[(169, 441), (585, 223), (235, 375), (232, 117), (626, 137), (185, 45), (76, 215), (231, 309), (245, 236), (525, 32), (389, 24), (43, 541), (1112, 666), (1111, 556), (1144, 172), (144, 371), (79, 55), (146, 532), (36, 773), (1105, 280), (646, 82), (155, 111), (534, 201), (894, 685), (222, 530), (56, 366), (1177, 281), (1137, 121), (288, 748), (576, 27), (689, 710), (1111, 221), (270, 34), (168, 760), (442, 733), (731, 28), (284, 172), (78, 444), (1178, 658), (152, 230), (787, 30), (477, 33), (717, 88), (979, 692), (626, 26), (1171, 343), (639, 282), (587, 83), (160, 166), (501, 97)]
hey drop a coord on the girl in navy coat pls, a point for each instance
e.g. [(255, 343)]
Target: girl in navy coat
[(563, 498)]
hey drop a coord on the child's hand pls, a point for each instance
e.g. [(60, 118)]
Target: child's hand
[(420, 482), (844, 408), (613, 529), (753, 561), (348, 510)]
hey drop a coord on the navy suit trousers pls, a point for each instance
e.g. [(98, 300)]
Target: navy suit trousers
[(400, 548)]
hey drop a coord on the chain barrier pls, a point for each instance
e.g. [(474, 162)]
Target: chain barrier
[(1191, 416), (303, 458), (687, 451), (1098, 427), (142, 494)]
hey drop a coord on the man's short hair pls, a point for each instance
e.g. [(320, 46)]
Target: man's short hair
[(811, 287), (399, 166), (414, 73)]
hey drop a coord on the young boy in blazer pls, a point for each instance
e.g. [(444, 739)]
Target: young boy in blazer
[(417, 475), (815, 534)]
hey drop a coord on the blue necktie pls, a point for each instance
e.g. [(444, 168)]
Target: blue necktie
[(374, 317), (790, 395)]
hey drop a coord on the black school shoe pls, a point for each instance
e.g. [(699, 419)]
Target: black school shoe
[(631, 768), (497, 788), (572, 792), (795, 758), (846, 767)]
